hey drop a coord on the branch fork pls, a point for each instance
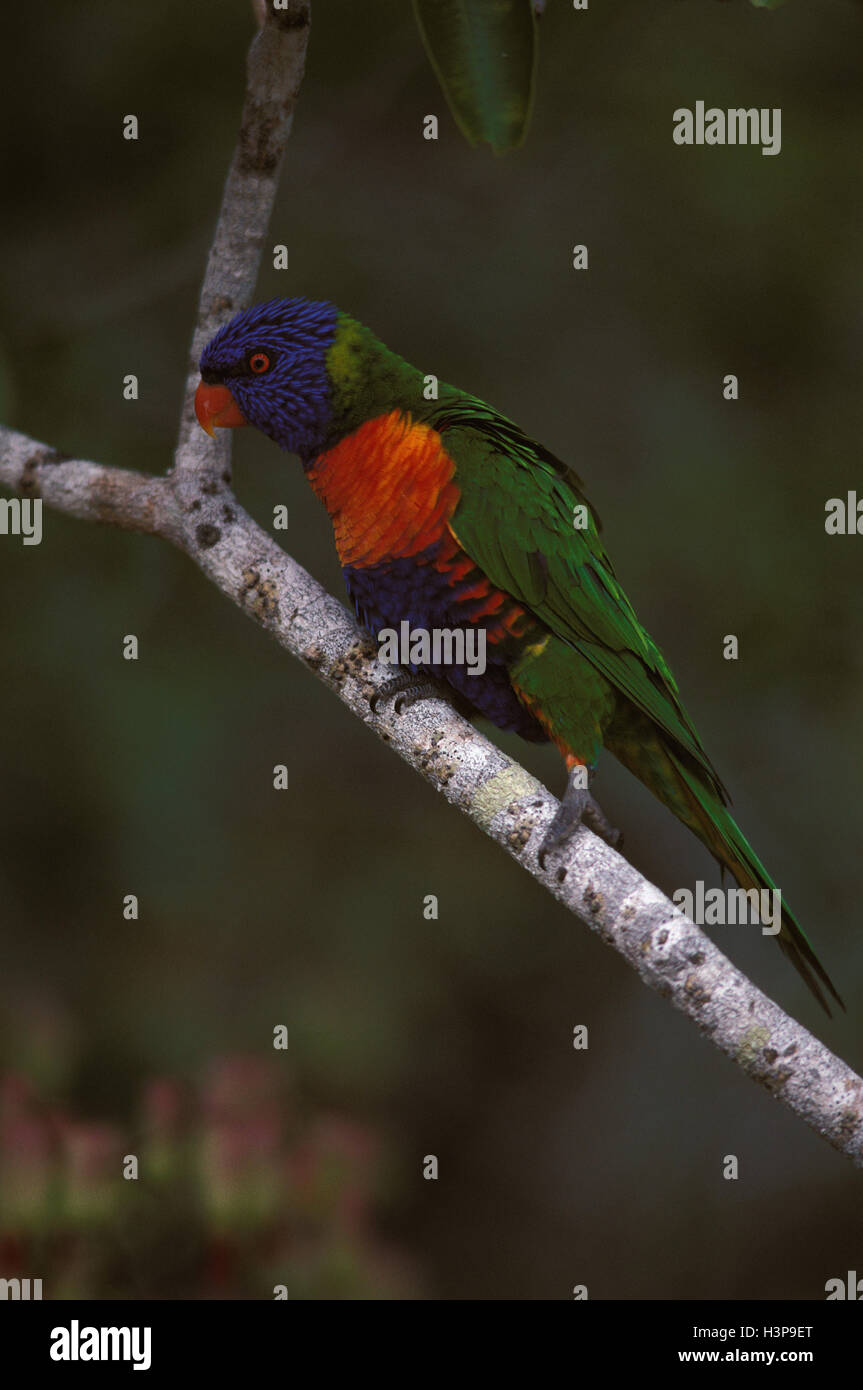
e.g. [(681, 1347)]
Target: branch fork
[(193, 507)]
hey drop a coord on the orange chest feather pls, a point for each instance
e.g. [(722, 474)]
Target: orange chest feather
[(389, 489)]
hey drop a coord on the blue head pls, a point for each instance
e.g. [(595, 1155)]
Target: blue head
[(268, 368)]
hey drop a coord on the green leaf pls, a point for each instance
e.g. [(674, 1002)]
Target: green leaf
[(767, 4), (484, 55)]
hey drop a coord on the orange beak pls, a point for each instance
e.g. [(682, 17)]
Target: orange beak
[(216, 408)]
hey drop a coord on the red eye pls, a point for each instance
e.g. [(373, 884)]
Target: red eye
[(259, 362)]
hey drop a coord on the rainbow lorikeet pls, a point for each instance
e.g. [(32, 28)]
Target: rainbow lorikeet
[(449, 516)]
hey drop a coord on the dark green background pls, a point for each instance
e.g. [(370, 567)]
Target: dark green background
[(257, 907)]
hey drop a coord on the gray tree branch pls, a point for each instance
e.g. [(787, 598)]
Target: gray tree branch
[(194, 508)]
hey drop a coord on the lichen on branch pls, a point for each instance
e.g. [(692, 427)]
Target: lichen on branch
[(194, 507)]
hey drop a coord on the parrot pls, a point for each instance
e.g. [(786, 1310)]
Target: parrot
[(447, 515)]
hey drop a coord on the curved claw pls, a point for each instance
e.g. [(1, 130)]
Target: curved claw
[(409, 687), (577, 807)]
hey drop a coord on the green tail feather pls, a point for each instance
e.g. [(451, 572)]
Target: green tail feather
[(682, 785), (716, 828)]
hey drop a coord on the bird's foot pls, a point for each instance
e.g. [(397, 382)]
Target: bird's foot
[(576, 807), (596, 820), (408, 687)]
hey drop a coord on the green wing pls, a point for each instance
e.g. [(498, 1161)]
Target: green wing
[(516, 520)]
